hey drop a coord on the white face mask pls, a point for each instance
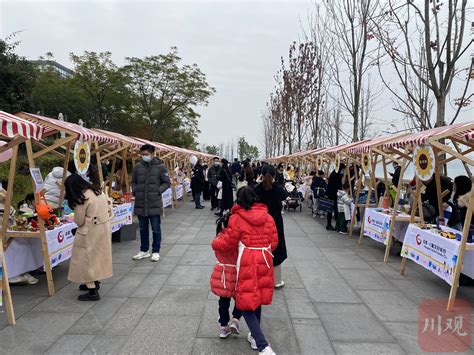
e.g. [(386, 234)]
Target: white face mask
[(216, 163), (146, 158)]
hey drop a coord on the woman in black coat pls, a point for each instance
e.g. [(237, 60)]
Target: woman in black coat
[(271, 194), (225, 176)]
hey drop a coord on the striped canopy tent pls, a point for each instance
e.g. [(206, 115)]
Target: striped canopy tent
[(132, 142), (12, 126), (53, 126)]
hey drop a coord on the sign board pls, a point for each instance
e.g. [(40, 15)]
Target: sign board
[(82, 156), (37, 178), (167, 197), (424, 161), (123, 216)]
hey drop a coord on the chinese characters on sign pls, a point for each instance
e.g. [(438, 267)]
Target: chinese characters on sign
[(440, 330)]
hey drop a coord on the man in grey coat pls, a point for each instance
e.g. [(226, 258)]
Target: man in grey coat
[(150, 179)]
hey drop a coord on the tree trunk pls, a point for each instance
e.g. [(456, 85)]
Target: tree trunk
[(440, 110)]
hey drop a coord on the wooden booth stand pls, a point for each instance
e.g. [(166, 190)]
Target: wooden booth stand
[(444, 257), (17, 131), (61, 148)]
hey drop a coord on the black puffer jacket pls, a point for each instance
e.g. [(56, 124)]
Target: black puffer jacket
[(149, 181)]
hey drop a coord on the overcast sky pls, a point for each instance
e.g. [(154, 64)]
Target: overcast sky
[(238, 44)]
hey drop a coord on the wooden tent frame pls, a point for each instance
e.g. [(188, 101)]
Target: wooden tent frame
[(440, 147)]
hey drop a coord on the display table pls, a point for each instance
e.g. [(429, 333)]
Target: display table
[(179, 191), (435, 253), (167, 197), (24, 254), (377, 225)]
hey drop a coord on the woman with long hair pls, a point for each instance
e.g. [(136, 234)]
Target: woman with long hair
[(272, 194), (91, 259), (225, 176)]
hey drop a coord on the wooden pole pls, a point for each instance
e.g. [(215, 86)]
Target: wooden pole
[(367, 203), (42, 229), (65, 166)]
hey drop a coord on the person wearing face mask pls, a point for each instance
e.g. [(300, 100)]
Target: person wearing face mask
[(149, 180), (213, 177)]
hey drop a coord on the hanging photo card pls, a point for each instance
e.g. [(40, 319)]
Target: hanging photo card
[(37, 178)]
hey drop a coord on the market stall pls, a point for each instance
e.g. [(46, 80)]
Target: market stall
[(16, 131), (445, 251)]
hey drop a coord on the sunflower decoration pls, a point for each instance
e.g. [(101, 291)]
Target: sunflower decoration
[(82, 156), (423, 159), (366, 163), (319, 162)]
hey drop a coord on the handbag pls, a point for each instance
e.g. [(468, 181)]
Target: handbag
[(219, 185), (241, 184), (326, 205)]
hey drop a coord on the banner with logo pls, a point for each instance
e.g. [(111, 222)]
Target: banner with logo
[(179, 191), (167, 197), (123, 216), (377, 226), (60, 242), (187, 186), (436, 253)]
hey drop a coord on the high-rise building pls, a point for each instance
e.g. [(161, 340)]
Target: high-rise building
[(59, 68)]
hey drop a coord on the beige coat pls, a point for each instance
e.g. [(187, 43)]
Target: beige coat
[(91, 258)]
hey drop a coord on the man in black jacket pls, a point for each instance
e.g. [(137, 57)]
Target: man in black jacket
[(396, 173), (236, 168), (213, 177), (198, 182), (150, 179)]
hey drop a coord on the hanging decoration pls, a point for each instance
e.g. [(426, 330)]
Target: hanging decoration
[(82, 156), (424, 161)]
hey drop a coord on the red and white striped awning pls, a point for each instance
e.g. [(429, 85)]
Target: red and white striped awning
[(12, 126), (341, 147), (375, 142), (420, 138), (55, 125), (135, 143)]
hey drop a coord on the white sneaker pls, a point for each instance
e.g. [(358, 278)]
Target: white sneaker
[(251, 340), (224, 332), (267, 351), (234, 326), (31, 280), (155, 257), (18, 280), (142, 255)]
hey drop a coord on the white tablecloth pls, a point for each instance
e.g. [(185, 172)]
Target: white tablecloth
[(377, 226), (435, 253), (24, 254)]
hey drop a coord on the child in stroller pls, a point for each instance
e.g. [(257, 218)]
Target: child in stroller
[(295, 197)]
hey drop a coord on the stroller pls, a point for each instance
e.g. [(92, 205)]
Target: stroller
[(294, 199)]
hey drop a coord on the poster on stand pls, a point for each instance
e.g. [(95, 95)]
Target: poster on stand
[(167, 197), (179, 192), (123, 216)]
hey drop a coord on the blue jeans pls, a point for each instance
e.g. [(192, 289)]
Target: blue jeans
[(252, 318), (145, 233), (197, 199)]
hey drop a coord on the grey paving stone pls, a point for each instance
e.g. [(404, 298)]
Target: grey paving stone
[(299, 304), (179, 301), (280, 334), (306, 253), (70, 344), (106, 344), (368, 349), (309, 270), (166, 265), (347, 261), (127, 285), (215, 346), (35, 332), (330, 290), (178, 250), (164, 335), (406, 335), (190, 275), (387, 270), (312, 337), (150, 287), (291, 277), (351, 322), (371, 254), (199, 255), (65, 300), (143, 269), (366, 280), (127, 317), (278, 308), (390, 305), (97, 317)]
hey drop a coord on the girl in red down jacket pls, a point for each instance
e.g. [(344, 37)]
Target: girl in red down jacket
[(251, 232), (223, 281)]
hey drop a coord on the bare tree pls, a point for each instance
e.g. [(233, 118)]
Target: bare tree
[(426, 41), (353, 57)]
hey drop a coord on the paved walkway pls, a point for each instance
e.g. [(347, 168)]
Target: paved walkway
[(339, 298)]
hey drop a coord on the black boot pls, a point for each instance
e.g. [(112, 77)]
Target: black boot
[(92, 295), (83, 287)]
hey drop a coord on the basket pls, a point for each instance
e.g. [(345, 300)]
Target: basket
[(326, 205)]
